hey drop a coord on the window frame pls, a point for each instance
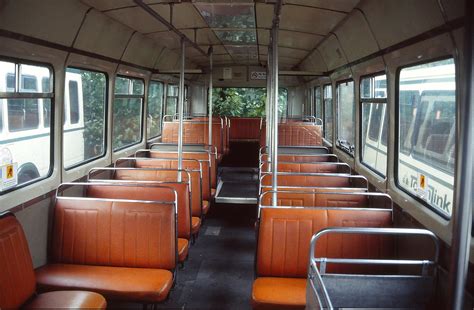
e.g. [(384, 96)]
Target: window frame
[(397, 130), (324, 113), (129, 96), (106, 121), (387, 114), (163, 103), (17, 94), (336, 119)]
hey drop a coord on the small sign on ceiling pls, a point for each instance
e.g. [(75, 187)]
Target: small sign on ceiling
[(227, 73), (258, 75)]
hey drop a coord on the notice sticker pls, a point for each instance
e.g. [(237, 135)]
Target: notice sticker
[(422, 188), (9, 176)]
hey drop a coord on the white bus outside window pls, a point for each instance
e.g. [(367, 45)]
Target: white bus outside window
[(427, 133), (373, 98), (346, 116), (25, 134), (85, 103)]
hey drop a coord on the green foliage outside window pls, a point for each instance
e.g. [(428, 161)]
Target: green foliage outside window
[(245, 102)]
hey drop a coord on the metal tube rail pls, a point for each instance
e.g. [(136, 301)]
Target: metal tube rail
[(210, 120), (180, 107), (274, 89), (462, 217)]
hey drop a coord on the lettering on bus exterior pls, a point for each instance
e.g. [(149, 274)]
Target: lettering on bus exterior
[(432, 194)]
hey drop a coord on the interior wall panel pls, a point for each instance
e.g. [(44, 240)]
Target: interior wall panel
[(103, 35), (396, 21), (355, 37), (57, 22), (332, 53)]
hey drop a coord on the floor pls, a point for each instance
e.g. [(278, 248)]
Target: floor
[(220, 269)]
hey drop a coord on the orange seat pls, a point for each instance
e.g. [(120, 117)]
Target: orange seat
[(195, 225), (284, 236), (279, 293), (18, 281), (205, 206), (315, 180), (296, 134), (150, 192), (124, 249)]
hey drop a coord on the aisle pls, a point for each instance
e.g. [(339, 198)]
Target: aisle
[(220, 269)]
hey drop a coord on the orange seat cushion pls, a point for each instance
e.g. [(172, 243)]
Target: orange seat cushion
[(183, 248), (195, 224), (67, 299), (279, 293), (120, 283), (205, 206), (213, 192)]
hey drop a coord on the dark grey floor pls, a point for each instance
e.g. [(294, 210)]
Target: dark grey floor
[(220, 269)]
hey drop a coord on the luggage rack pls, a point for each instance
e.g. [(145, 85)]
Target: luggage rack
[(237, 185), (335, 291)]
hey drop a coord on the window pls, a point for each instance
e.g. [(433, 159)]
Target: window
[(327, 125), (127, 112), (73, 102), (246, 101), (84, 136), (155, 109), (345, 116), (172, 99), (427, 133), (373, 98), (318, 109), (25, 133)]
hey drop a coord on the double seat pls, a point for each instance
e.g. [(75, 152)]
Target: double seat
[(284, 236), (155, 177), (123, 249), (18, 280)]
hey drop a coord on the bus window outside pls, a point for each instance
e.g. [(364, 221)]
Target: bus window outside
[(346, 116), (84, 129), (155, 109), (127, 112), (318, 108), (25, 115), (327, 125), (373, 98), (427, 133)]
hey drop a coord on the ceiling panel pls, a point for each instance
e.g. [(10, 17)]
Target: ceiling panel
[(103, 5), (309, 20), (291, 39), (204, 36), (264, 15), (337, 5), (137, 19), (185, 15), (166, 38), (225, 16)]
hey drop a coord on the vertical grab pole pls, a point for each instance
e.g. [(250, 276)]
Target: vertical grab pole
[(209, 98), (269, 115), (463, 184), (276, 24), (180, 108)]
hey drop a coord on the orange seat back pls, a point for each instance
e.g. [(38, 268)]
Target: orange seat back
[(316, 198), (191, 166), (285, 233), (166, 178), (300, 167), (17, 278), (90, 231)]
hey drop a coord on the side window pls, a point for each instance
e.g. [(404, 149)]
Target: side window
[(172, 99), (24, 105), (427, 133), (318, 109), (373, 99), (327, 124), (155, 109), (73, 102), (87, 102), (127, 112), (345, 116)]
